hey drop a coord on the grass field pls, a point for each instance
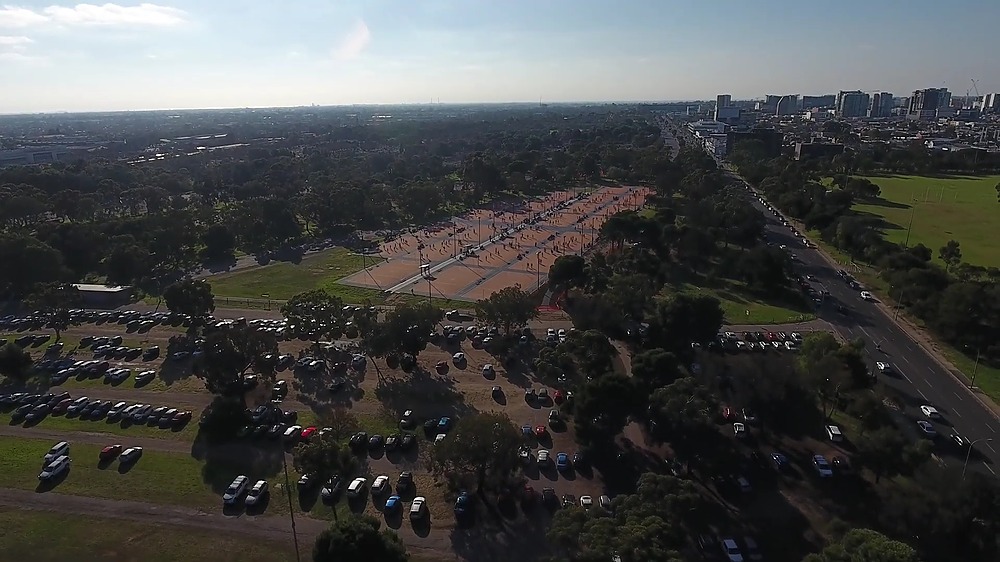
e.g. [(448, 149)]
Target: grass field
[(740, 308), (52, 537), (961, 208), (283, 280)]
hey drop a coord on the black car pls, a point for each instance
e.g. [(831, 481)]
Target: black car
[(332, 488), (276, 430), (405, 481), (375, 442), (359, 441), (21, 412), (151, 353), (407, 441)]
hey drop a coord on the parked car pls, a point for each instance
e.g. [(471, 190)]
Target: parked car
[(235, 490), (59, 449), (54, 469), (731, 550), (110, 452), (822, 466), (357, 487), (380, 484), (418, 508), (331, 489), (130, 455), (257, 493)]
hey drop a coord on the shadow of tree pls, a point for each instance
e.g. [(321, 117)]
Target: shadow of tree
[(223, 462), (427, 394)]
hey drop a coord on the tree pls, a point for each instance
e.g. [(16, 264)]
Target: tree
[(951, 254), (55, 300), (654, 368), (230, 351), (192, 297), (570, 271), (15, 362), (483, 448), (358, 539), (405, 330), (315, 313), (507, 309), (682, 319), (324, 455), (603, 405), (886, 452), (220, 242), (28, 262), (865, 545), (683, 413)]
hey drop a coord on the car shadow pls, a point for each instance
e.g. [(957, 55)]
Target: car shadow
[(308, 498), (357, 504), (125, 468), (500, 398), (394, 520), (422, 527), (233, 510), (49, 485), (260, 507), (104, 464)]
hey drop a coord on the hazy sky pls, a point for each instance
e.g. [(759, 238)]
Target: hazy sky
[(57, 55)]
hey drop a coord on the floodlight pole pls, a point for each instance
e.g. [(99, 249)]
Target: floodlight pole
[(291, 512)]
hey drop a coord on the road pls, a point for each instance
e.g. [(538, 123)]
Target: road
[(920, 376)]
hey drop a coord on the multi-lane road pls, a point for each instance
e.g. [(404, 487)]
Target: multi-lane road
[(919, 378)]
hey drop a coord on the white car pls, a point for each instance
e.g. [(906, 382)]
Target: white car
[(293, 432), (458, 357), (380, 484), (822, 466), (487, 369), (865, 295), (550, 333), (605, 502), (930, 411), (55, 468), (739, 430), (927, 428), (418, 508), (130, 455), (883, 367), (235, 490), (59, 449), (731, 550), (357, 487), (586, 502), (257, 493), (543, 458)]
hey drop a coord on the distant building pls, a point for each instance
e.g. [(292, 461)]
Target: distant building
[(787, 105), (807, 150), (104, 296), (819, 102), (818, 115), (881, 105), (852, 104), (33, 155), (991, 103), (723, 100), (729, 115), (925, 104), (771, 139)]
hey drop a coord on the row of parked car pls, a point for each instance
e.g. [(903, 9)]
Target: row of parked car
[(61, 370), (32, 408)]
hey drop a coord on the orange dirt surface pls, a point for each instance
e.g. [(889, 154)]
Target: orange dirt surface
[(497, 265)]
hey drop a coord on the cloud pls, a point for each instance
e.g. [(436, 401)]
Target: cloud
[(14, 43), (354, 43), (142, 15)]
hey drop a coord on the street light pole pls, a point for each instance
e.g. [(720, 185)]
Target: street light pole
[(972, 383), (969, 453), (291, 512)]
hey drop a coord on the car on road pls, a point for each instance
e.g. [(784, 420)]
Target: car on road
[(110, 452), (822, 466), (357, 487), (257, 493), (883, 367), (779, 460), (55, 468), (930, 411), (418, 508), (235, 490), (927, 428), (865, 295), (731, 550), (739, 430), (130, 455)]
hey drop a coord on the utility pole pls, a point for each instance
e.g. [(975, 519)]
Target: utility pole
[(291, 512)]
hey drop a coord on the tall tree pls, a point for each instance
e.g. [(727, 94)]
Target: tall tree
[(28, 263), (568, 270), (507, 309), (482, 450), (230, 352), (358, 539), (951, 254), (682, 319), (192, 297), (683, 413), (654, 368), (55, 300), (315, 313), (15, 362), (865, 545)]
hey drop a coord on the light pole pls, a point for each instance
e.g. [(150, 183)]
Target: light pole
[(975, 369), (969, 453), (291, 511), (913, 207)]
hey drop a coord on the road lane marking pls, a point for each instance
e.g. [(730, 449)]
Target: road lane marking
[(991, 428), (922, 394), (957, 395), (989, 469), (905, 360), (991, 447), (956, 412)]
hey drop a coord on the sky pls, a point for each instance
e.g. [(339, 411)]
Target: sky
[(64, 56)]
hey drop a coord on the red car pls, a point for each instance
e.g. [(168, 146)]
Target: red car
[(110, 452), (727, 413), (307, 432), (540, 431), (182, 417), (558, 397), (61, 407)]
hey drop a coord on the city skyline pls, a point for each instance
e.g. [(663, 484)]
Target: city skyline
[(180, 54)]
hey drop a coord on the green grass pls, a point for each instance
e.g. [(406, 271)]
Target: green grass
[(53, 537), (283, 280), (736, 305), (157, 477), (961, 208)]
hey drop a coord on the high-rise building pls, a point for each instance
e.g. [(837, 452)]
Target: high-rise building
[(787, 105), (881, 105), (853, 103), (722, 102), (819, 102), (924, 104), (991, 103)]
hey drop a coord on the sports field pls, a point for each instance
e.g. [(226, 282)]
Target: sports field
[(469, 257), (939, 209)]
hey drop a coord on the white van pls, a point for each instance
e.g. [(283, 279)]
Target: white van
[(59, 449), (55, 468), (833, 432)]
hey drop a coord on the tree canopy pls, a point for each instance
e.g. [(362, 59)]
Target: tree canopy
[(507, 309), (358, 539), (481, 451)]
